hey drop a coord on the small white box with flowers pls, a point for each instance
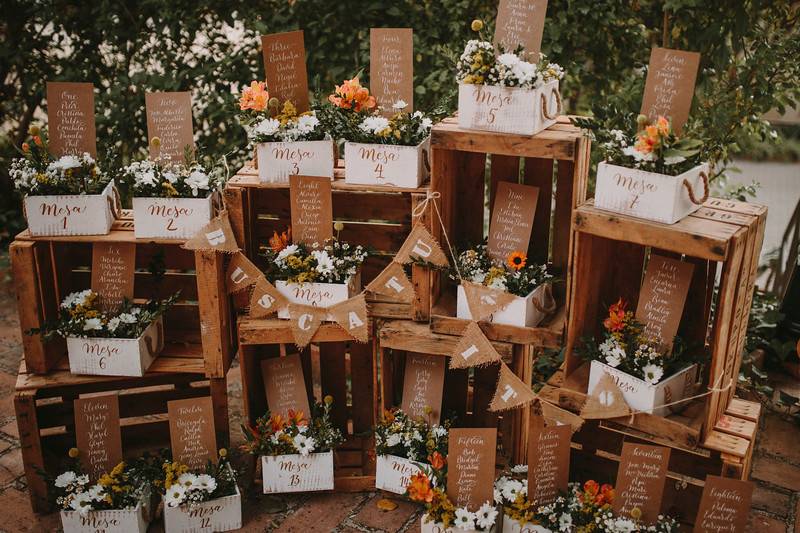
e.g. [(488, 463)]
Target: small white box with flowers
[(527, 311), (110, 521), (72, 214), (276, 161), (393, 473), (297, 472), (219, 514)]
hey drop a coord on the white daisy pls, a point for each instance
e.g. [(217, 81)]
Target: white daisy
[(197, 180), (565, 522), (486, 516), (82, 503), (187, 479), (304, 445), (65, 479), (92, 324), (652, 373), (175, 495), (464, 519), (205, 482)]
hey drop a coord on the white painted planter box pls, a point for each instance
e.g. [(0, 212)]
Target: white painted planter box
[(520, 312), (640, 395), (297, 473), (506, 109), (438, 527), (71, 214), (648, 195), (112, 521), (318, 294), (277, 161), (385, 164), (221, 514), (170, 218), (97, 356), (514, 526), (394, 473)]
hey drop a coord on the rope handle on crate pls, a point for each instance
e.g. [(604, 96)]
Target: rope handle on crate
[(689, 189), (548, 297), (554, 92), (115, 202)]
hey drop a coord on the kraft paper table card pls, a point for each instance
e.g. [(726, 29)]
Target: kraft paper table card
[(169, 117), (70, 118), (98, 434), (548, 460), (512, 219), (662, 297), (640, 480), (423, 385), (521, 23), (312, 209), (191, 432), (285, 67), (724, 506), (669, 87), (285, 385), (391, 67), (470, 466), (113, 267)]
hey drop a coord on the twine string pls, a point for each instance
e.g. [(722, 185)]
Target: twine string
[(419, 210), (715, 388)]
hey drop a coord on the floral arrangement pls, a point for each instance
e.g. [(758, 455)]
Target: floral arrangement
[(403, 128), (430, 491), (515, 275), (653, 147), (344, 111), (184, 487), (583, 509), (296, 434), (79, 316), (37, 173), (626, 347), (334, 262), (481, 64), (414, 439), (164, 179), (267, 120), (121, 488)]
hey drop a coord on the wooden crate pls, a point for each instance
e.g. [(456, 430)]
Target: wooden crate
[(199, 336), (45, 415), (332, 364), (597, 446), (467, 392), (610, 256), (379, 217), (467, 165)]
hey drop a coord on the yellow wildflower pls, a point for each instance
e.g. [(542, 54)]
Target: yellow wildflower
[(477, 25)]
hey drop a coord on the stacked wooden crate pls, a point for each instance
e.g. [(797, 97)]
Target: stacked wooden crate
[(198, 338)]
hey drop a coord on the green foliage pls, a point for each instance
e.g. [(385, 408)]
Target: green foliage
[(212, 48)]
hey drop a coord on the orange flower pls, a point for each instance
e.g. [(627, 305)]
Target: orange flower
[(279, 242), (254, 97), (297, 417), (590, 489), (516, 260), (437, 460), (419, 489), (616, 316), (663, 126), (37, 140), (276, 423), (351, 95), (26, 147), (388, 416), (606, 495)]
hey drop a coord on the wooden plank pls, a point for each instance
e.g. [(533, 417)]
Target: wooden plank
[(238, 210), (744, 409), (562, 216), (738, 427), (483, 388), (364, 390), (334, 380), (539, 173), (501, 168), (550, 143), (421, 276), (31, 448), (691, 236), (219, 401), (468, 190), (215, 314), (415, 337), (725, 443), (277, 331)]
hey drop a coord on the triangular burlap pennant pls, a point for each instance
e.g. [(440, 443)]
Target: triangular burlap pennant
[(306, 320), (552, 412), (265, 299), (606, 401), (216, 236), (351, 315), (474, 349), (484, 301), (241, 273), (420, 245), (511, 391), (394, 283)]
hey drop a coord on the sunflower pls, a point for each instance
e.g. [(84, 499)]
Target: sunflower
[(516, 260)]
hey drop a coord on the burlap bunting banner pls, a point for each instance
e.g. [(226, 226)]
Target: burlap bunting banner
[(552, 412), (241, 273), (483, 301), (511, 391), (351, 315), (420, 245), (265, 299), (394, 283), (216, 236), (605, 401), (305, 321), (473, 349)]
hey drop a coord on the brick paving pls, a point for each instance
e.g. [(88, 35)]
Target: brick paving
[(776, 473)]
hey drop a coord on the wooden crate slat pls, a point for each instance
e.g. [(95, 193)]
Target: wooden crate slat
[(744, 409), (411, 336), (738, 427), (726, 443), (539, 173)]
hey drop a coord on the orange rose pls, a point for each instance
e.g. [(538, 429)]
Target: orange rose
[(255, 97), (419, 489), (437, 460)]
